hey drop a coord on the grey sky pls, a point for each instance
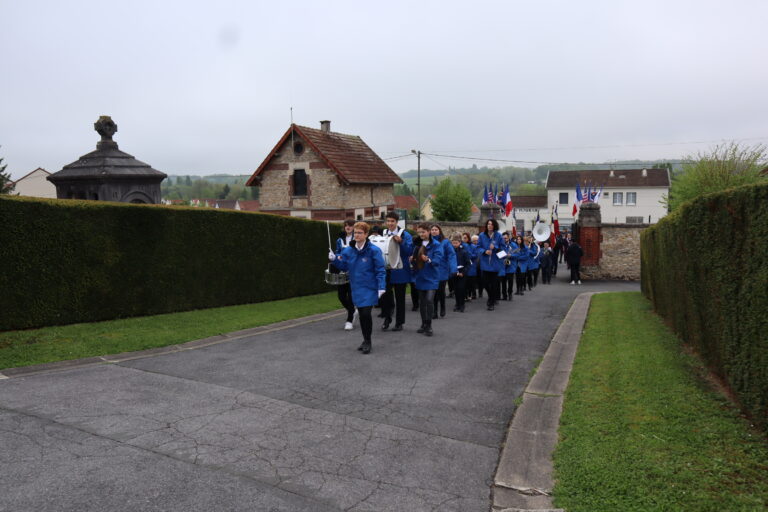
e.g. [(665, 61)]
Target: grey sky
[(200, 87)]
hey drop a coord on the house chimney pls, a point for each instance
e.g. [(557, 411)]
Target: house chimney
[(645, 173), (325, 126)]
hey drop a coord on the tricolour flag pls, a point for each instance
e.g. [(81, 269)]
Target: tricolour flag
[(508, 199), (577, 200)]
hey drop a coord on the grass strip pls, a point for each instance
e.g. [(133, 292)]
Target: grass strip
[(641, 428), (35, 346)]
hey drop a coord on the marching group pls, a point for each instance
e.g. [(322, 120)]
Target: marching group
[(467, 265)]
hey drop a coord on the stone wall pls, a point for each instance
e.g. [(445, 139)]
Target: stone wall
[(449, 227), (619, 253)]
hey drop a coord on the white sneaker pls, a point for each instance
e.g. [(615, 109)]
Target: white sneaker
[(573, 282), (348, 326), (354, 317), (579, 282)]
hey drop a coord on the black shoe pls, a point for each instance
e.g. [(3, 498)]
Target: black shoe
[(361, 346), (415, 307), (461, 309), (434, 316), (387, 322), (505, 297), (428, 331), (382, 315), (421, 329), (397, 327), (366, 347), (455, 309), (442, 311), (491, 307)]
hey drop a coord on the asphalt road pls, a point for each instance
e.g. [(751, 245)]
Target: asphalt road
[(290, 420)]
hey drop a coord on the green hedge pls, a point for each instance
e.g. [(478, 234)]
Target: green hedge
[(81, 261), (705, 268)]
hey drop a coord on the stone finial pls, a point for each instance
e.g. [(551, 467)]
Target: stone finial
[(105, 127)]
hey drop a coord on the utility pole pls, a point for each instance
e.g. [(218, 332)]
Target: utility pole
[(418, 178)]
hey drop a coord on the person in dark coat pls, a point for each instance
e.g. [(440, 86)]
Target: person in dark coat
[(547, 261), (463, 264), (573, 257), (367, 277)]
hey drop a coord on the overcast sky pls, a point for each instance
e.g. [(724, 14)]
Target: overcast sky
[(200, 87)]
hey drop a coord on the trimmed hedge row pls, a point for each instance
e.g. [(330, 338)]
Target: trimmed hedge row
[(705, 269), (82, 261)]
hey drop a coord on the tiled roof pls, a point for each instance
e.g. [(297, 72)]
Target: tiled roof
[(348, 155), (227, 204), (406, 202), (475, 209), (31, 173), (251, 205), (631, 178), (530, 201)]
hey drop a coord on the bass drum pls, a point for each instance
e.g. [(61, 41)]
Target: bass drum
[(389, 249)]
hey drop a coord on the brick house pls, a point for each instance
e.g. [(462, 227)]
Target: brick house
[(324, 175)]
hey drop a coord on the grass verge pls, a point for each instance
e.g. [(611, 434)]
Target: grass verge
[(35, 346), (642, 430)]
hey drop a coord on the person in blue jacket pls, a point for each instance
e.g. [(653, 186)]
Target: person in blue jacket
[(397, 279), (447, 267), (533, 262), (343, 290), (426, 258), (491, 243), (509, 268), (521, 270), (367, 277)]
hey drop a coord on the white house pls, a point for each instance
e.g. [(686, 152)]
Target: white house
[(34, 184), (527, 209), (629, 196)]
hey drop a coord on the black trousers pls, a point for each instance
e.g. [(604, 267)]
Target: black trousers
[(491, 282), (480, 283), (520, 281), (451, 284), (535, 276), (427, 306), (394, 301), (345, 297), (506, 285), (546, 275), (440, 296), (575, 272), (471, 286), (554, 265), (460, 290), (366, 322)]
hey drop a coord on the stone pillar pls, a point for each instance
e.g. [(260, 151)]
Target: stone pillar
[(589, 234), (492, 211)]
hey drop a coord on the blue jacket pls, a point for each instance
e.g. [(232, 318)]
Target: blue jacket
[(428, 277), (533, 259), (403, 275), (507, 269), (474, 254), (490, 263), (448, 266), (512, 267), (522, 259), (367, 273)]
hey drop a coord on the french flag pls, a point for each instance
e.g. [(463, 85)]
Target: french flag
[(508, 200), (577, 200)]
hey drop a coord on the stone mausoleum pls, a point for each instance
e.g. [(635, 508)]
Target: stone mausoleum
[(108, 174)]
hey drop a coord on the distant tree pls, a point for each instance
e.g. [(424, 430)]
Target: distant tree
[(224, 192), (452, 202), (725, 166), (254, 193), (6, 183), (188, 181)]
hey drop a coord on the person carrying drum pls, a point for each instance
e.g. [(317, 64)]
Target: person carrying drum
[(344, 291), (367, 277), (397, 279)]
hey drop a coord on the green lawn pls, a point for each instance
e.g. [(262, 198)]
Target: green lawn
[(642, 430), (22, 348)]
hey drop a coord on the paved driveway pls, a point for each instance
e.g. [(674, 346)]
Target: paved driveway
[(289, 420)]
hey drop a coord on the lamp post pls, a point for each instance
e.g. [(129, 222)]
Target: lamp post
[(418, 179)]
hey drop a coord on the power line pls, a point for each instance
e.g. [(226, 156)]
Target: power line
[(480, 159)]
